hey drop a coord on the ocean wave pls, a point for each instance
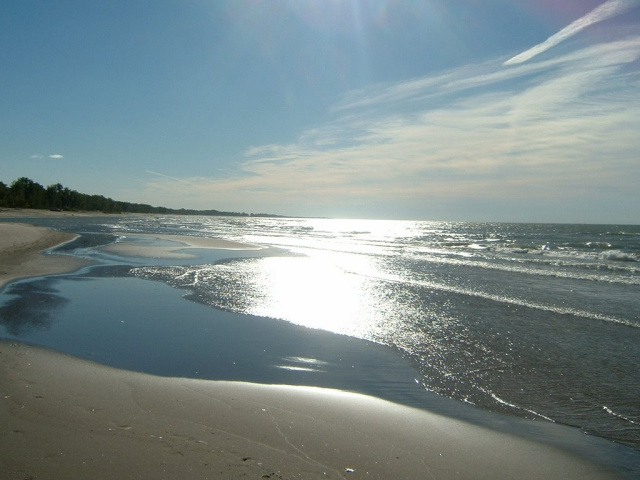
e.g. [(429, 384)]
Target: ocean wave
[(621, 417), (523, 303), (622, 233), (506, 299), (518, 250), (541, 266), (598, 245), (564, 254), (619, 256), (514, 406)]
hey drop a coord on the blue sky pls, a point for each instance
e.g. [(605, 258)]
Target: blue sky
[(493, 110)]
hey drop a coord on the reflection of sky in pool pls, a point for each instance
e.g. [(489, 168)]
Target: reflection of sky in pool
[(147, 326)]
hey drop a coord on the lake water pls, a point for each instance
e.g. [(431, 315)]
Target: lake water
[(531, 321)]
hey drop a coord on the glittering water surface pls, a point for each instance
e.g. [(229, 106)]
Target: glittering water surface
[(539, 321)]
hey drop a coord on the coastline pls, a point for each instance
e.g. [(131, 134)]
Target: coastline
[(21, 256), (39, 213), (71, 417), (67, 417)]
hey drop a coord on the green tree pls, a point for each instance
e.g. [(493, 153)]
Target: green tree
[(54, 195), (4, 195), (25, 193)]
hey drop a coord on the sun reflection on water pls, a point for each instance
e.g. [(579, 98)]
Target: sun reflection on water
[(314, 292)]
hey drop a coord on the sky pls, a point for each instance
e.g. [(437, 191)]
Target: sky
[(461, 110)]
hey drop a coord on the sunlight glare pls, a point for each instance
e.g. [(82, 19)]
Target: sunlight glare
[(312, 293)]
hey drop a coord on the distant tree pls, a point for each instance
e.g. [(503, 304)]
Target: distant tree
[(54, 196), (25, 193), (17, 195), (4, 195)]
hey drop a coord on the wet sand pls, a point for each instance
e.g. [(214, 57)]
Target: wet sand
[(69, 418), (129, 245), (63, 417), (21, 255)]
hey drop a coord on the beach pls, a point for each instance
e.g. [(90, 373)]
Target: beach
[(70, 418), (67, 417), (20, 252)]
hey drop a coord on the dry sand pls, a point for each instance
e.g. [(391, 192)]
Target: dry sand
[(62, 417)]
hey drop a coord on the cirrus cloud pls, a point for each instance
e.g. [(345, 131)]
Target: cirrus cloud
[(558, 131), (607, 10)]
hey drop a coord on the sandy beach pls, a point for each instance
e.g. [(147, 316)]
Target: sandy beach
[(70, 418), (21, 255), (65, 417)]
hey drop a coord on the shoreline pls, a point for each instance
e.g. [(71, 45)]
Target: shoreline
[(71, 417), (39, 213), (21, 252), (68, 417)]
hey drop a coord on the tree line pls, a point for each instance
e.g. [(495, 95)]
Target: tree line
[(25, 193)]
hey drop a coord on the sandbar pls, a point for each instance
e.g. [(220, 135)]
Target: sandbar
[(129, 245), (21, 248)]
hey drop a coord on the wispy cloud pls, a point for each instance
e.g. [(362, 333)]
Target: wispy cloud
[(609, 9), (56, 156), (454, 130), (564, 127), (173, 180), (163, 175)]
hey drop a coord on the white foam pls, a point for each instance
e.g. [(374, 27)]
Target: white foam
[(514, 406), (617, 415)]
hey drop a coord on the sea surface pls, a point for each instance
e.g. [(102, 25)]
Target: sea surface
[(533, 321)]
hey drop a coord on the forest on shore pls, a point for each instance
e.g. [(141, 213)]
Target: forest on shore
[(25, 193)]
